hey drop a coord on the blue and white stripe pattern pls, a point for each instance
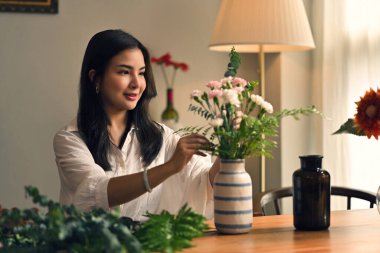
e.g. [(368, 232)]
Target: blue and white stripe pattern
[(233, 198)]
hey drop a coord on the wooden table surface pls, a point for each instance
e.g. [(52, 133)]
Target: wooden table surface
[(350, 231)]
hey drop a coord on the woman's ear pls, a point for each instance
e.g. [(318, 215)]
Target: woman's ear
[(91, 74)]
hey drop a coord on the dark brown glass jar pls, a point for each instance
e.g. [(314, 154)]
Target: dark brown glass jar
[(311, 195)]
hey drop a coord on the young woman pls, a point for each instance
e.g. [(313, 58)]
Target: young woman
[(113, 154)]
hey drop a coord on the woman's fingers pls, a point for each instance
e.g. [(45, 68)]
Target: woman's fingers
[(195, 142), (188, 146), (200, 153)]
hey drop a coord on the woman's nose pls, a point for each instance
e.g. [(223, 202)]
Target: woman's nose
[(135, 81)]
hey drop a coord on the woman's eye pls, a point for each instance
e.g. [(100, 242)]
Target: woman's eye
[(124, 72), (142, 73)]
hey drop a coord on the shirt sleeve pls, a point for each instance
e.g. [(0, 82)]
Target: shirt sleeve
[(196, 189), (197, 180), (83, 182)]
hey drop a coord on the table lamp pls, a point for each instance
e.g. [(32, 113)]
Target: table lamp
[(260, 26)]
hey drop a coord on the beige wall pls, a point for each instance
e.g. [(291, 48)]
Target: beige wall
[(40, 58)]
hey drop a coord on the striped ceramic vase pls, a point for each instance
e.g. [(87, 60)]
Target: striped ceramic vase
[(233, 198)]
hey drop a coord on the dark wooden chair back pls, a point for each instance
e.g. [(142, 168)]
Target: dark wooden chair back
[(277, 194)]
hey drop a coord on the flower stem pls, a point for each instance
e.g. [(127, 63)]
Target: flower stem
[(165, 76), (173, 76)]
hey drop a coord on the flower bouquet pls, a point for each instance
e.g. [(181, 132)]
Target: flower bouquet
[(239, 124), (239, 120)]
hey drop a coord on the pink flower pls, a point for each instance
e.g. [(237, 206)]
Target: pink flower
[(214, 85), (239, 89), (195, 93), (238, 80), (215, 93)]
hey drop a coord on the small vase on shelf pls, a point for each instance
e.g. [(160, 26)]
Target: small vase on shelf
[(233, 198), (170, 115)]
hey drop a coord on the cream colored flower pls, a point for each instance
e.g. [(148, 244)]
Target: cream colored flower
[(231, 96), (267, 107), (216, 122), (226, 80), (257, 99)]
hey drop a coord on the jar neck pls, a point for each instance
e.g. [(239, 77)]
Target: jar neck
[(311, 162), (237, 165), (169, 96)]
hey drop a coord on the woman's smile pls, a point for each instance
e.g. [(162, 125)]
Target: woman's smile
[(131, 96)]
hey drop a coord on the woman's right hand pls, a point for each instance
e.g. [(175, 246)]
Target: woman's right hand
[(187, 146), (128, 187)]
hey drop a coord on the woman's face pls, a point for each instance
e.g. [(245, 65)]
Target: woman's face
[(123, 81)]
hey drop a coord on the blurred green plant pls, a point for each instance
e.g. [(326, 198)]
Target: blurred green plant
[(67, 228), (168, 233)]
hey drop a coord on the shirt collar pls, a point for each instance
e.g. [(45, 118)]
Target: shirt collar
[(73, 127)]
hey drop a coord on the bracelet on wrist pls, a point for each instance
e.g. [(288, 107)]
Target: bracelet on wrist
[(146, 181)]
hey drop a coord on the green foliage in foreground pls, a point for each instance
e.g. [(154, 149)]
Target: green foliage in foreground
[(67, 228), (168, 233)]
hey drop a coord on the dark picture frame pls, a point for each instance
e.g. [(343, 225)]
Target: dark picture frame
[(29, 6)]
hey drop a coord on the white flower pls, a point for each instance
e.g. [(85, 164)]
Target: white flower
[(226, 80), (216, 122), (257, 99), (196, 93), (267, 107), (231, 96)]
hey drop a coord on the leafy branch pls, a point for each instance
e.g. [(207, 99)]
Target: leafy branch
[(295, 113), (168, 233), (234, 64), (67, 228)]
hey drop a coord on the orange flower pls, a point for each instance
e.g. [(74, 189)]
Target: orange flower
[(367, 118)]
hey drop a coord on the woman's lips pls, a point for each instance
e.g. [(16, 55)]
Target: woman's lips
[(131, 97)]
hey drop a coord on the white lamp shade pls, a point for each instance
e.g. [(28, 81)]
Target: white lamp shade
[(277, 25)]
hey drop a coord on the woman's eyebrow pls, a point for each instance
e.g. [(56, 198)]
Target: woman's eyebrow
[(129, 67)]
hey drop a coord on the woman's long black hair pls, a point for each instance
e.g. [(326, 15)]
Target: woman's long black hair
[(91, 118)]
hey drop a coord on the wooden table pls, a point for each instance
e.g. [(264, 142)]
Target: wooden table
[(350, 231)]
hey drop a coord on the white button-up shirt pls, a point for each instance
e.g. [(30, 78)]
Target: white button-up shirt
[(84, 183)]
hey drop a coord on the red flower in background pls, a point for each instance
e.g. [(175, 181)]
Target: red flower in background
[(163, 59), (367, 118), (166, 61)]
